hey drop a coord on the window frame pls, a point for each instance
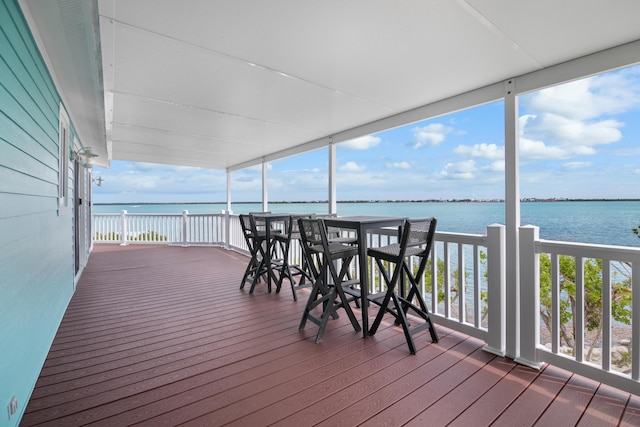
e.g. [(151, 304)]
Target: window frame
[(63, 159)]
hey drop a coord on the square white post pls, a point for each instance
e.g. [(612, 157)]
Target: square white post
[(496, 278), (529, 331)]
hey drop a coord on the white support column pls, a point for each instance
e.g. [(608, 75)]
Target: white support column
[(123, 227), (529, 298), (228, 190), (512, 215), (496, 267), (227, 214), (333, 207), (265, 185), (185, 228)]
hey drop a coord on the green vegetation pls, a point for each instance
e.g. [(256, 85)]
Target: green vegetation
[(150, 236), (620, 298), (110, 236)]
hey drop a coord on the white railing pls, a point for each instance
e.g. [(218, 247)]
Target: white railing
[(185, 229), (586, 299), (465, 286), (461, 283)]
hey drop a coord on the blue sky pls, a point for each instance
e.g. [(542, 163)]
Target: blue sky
[(578, 140)]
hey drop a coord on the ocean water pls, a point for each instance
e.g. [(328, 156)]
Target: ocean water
[(601, 222)]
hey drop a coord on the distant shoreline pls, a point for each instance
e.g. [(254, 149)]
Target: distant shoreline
[(525, 200)]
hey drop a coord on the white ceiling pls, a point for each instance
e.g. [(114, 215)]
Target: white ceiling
[(218, 83)]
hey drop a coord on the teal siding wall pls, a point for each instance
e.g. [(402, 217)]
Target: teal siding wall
[(36, 236)]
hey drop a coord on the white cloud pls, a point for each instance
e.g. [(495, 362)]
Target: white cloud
[(571, 119), (547, 136), (568, 131), (497, 166), (399, 165), (351, 167), (590, 98), (485, 151), (460, 170), (430, 135), (577, 165), (531, 149), (361, 143)]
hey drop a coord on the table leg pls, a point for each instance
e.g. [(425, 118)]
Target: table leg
[(267, 255), (364, 280)]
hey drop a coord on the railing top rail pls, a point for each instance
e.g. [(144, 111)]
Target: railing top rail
[(589, 250), (177, 215), (462, 238)]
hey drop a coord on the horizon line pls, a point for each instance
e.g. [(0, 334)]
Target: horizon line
[(524, 199)]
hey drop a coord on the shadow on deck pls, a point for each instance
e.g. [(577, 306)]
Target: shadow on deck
[(161, 335)]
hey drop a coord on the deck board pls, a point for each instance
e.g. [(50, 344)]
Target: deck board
[(162, 335)]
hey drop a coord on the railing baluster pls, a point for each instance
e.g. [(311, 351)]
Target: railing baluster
[(447, 280), (477, 309), (462, 288), (555, 304), (606, 314), (635, 332), (578, 318)]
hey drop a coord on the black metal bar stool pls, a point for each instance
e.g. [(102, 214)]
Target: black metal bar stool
[(288, 269), (327, 290), (415, 241), (256, 266)]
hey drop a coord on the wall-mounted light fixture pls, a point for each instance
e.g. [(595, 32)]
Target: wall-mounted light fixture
[(85, 156)]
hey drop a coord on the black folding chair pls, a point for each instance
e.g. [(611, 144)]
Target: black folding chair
[(256, 266), (328, 280), (415, 241), (287, 269)]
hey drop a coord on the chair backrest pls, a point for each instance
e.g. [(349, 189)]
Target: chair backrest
[(294, 226), (417, 239), (331, 231), (247, 231), (312, 232), (313, 242)]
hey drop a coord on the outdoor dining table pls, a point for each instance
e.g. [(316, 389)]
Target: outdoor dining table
[(269, 219), (361, 224)]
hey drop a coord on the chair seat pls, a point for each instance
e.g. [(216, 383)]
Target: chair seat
[(391, 252), (344, 240), (337, 250)]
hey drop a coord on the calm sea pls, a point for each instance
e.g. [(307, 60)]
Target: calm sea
[(603, 222)]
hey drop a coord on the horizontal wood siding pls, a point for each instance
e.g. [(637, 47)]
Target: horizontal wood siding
[(36, 248), (163, 336)]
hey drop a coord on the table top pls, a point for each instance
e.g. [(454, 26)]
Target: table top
[(272, 215), (363, 220)]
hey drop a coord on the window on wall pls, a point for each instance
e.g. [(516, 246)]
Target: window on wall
[(63, 171)]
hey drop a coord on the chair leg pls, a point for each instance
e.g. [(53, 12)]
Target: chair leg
[(401, 306), (405, 324), (421, 309), (247, 272), (319, 288), (260, 270), (345, 304)]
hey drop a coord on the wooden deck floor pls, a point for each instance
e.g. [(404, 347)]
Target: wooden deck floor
[(162, 336)]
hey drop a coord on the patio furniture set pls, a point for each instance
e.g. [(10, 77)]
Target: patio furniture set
[(328, 254)]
